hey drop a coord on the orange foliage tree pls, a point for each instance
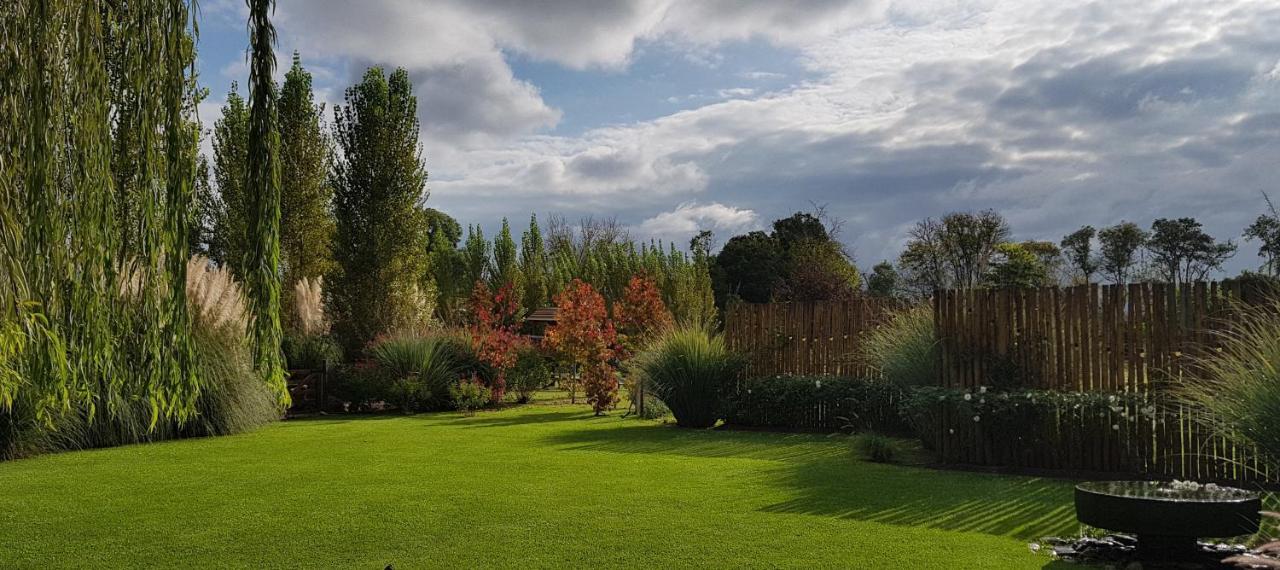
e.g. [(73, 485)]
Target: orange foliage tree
[(495, 331), (584, 336), (639, 315)]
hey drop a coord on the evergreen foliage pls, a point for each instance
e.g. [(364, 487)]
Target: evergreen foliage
[(380, 244)]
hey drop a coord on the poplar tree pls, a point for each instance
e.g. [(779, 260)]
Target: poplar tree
[(533, 265), (306, 222), (379, 181)]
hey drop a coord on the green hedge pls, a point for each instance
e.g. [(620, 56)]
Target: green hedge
[(817, 403)]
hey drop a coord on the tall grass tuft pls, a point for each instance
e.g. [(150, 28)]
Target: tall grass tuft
[(421, 369), (904, 348), (690, 369), (1237, 380)]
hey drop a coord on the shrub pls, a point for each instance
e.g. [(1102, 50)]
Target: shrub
[(469, 396), (690, 369), (530, 374), (311, 352), (1243, 367), (875, 447), (582, 335), (600, 384), (421, 369), (904, 348), (818, 403)]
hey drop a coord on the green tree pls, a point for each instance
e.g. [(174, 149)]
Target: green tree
[(229, 241), (955, 251), (533, 265), (506, 260), (475, 256), (306, 220), (262, 264), (1121, 245), (1015, 266), (1182, 252), (748, 267), (1078, 246), (883, 281), (379, 179), (445, 265), (1266, 230)]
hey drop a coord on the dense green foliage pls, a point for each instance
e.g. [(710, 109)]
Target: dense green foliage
[(228, 240), (692, 371), (1266, 230), (816, 403), (381, 238), (97, 199), (261, 267), (801, 260), (1181, 252), (1121, 245), (418, 492), (876, 448), (421, 370), (306, 220)]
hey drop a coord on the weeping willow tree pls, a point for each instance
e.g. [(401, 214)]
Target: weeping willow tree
[(262, 268), (97, 163)]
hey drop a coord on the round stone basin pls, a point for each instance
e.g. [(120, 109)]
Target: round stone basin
[(1168, 518)]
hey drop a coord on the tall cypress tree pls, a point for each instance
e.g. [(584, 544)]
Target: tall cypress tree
[(262, 185), (379, 179)]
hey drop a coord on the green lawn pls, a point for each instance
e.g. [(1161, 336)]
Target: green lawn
[(539, 486)]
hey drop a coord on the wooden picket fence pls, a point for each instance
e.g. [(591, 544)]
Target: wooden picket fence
[(1135, 339), (1103, 338), (805, 339), (1115, 339)]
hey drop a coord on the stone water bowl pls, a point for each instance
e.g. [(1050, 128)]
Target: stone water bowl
[(1168, 517)]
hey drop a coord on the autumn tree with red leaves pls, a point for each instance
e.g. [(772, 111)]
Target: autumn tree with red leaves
[(495, 331), (584, 337), (639, 315)]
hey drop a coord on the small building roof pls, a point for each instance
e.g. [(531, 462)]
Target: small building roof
[(545, 315)]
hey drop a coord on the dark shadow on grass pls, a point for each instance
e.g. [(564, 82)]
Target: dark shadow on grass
[(827, 481), (502, 419)]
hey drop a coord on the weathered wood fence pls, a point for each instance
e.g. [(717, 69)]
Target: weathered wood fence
[(805, 339), (1135, 339), (1099, 338)]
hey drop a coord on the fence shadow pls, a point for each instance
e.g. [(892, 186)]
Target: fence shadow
[(823, 479)]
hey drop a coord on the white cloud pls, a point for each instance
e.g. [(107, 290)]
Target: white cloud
[(689, 218), (917, 108)]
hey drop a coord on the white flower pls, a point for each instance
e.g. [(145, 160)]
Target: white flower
[(1111, 398), (968, 396), (748, 390), (1115, 427), (977, 418), (982, 390), (817, 383), (952, 431), (982, 401)]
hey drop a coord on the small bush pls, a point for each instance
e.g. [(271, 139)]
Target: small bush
[(876, 448), (469, 396), (690, 369), (904, 348), (356, 387), (311, 352), (530, 374)]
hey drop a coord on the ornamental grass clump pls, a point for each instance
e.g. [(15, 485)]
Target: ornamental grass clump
[(690, 369), (421, 369), (1236, 379), (904, 348)]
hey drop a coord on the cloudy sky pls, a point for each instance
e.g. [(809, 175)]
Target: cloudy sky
[(676, 115)]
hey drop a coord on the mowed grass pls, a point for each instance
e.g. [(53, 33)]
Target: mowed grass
[(534, 487)]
